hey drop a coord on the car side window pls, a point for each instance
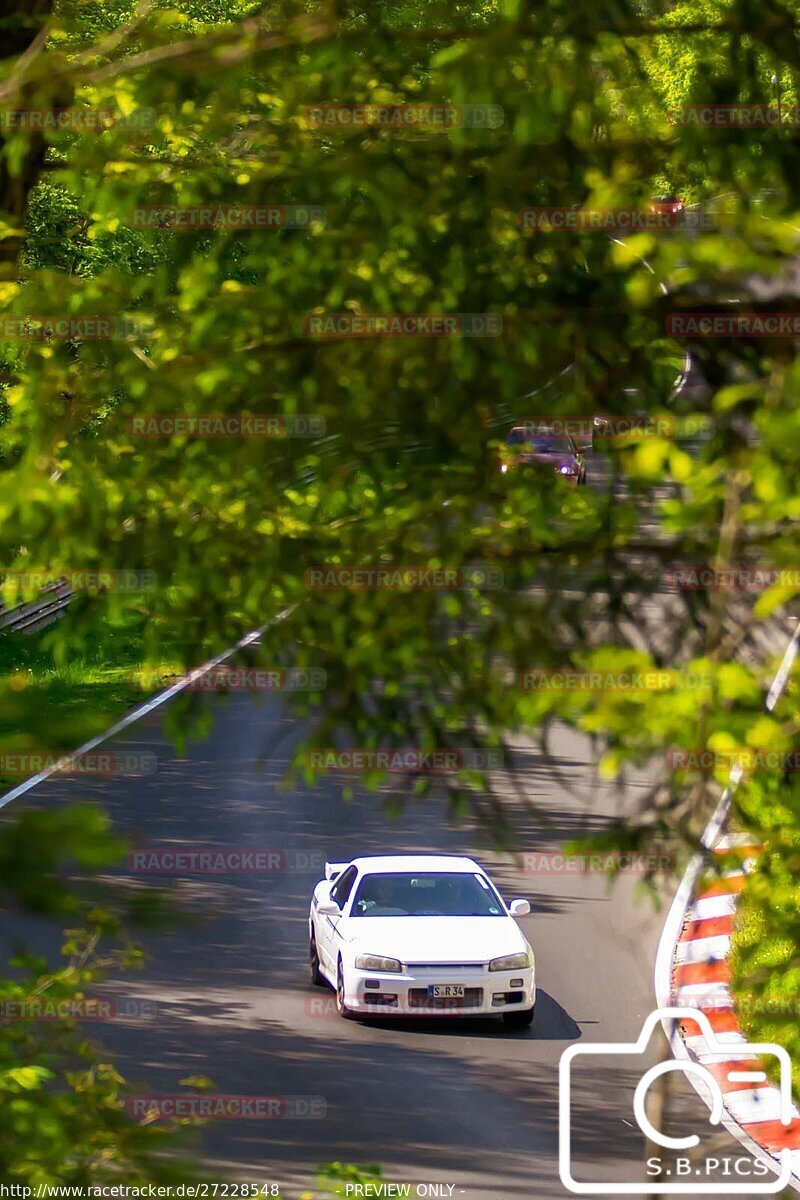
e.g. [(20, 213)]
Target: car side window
[(343, 886)]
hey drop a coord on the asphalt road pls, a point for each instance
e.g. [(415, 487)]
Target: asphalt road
[(464, 1105), (459, 1103)]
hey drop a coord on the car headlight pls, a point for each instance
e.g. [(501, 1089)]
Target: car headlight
[(374, 962), (565, 470), (512, 962)]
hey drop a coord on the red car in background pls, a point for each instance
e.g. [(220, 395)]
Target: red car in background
[(670, 206), (554, 451)]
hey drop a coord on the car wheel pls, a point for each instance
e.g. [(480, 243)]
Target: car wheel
[(317, 978), (518, 1020), (341, 1007)]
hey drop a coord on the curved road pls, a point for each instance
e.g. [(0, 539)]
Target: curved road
[(456, 1103), (460, 1104)]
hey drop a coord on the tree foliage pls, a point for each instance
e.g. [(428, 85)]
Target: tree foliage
[(213, 100)]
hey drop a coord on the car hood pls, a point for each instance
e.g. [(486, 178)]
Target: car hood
[(436, 939), (541, 458)]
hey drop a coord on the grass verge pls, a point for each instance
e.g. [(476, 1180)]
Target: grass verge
[(54, 706)]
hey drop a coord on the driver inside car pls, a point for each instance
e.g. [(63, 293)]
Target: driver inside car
[(378, 898)]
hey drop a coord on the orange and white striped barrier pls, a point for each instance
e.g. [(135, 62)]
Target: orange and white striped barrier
[(700, 978)]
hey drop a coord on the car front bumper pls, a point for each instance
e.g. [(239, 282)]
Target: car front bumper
[(486, 993)]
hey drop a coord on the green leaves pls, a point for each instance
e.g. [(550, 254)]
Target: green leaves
[(422, 196), (23, 1079)]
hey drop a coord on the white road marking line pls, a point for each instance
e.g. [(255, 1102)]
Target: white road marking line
[(149, 706), (779, 682)]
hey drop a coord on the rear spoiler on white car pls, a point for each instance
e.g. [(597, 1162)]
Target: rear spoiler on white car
[(332, 870)]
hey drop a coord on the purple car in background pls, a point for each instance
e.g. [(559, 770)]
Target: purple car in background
[(554, 451)]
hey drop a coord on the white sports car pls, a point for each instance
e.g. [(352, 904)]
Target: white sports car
[(420, 934)]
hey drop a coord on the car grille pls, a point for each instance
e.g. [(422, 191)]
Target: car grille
[(447, 968), (419, 998)]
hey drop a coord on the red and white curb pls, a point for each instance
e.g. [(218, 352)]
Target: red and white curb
[(700, 979), (693, 972)]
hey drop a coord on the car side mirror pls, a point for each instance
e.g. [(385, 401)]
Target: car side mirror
[(601, 428), (328, 908), (519, 908)]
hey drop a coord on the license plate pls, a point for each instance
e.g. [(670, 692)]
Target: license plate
[(449, 991)]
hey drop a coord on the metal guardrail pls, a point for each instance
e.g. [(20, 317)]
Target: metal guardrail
[(35, 615)]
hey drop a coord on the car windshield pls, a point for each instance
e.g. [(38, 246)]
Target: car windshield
[(540, 443), (666, 199), (426, 894)]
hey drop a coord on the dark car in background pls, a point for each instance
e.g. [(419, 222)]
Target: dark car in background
[(544, 451)]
